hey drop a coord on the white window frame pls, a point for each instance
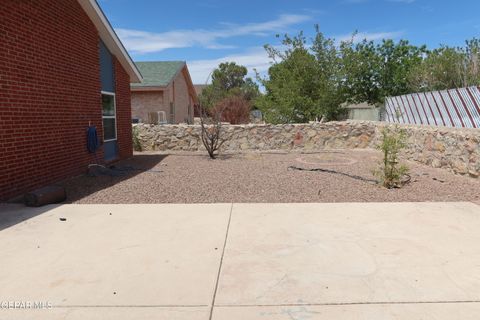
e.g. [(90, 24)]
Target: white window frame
[(108, 93)]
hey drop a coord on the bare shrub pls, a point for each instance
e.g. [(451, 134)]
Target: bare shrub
[(233, 109), (211, 132)]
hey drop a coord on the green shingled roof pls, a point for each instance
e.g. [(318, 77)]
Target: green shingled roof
[(158, 73)]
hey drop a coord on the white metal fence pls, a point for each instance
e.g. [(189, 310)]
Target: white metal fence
[(449, 108)]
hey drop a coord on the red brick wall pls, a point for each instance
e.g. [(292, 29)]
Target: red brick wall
[(49, 92)]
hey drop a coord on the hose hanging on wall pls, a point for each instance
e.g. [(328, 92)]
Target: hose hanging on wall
[(93, 144), (96, 169), (92, 139)]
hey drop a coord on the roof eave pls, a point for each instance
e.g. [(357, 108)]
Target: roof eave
[(191, 87), (148, 88), (110, 38)]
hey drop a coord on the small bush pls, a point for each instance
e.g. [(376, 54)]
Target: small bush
[(137, 146), (233, 109), (391, 173)]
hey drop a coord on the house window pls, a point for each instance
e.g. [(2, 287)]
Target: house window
[(109, 116)]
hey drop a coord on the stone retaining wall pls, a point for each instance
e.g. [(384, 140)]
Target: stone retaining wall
[(455, 149)]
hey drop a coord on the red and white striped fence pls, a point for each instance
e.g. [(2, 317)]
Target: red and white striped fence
[(449, 108)]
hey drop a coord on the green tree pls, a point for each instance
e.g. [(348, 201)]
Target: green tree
[(399, 60), (302, 83), (472, 63), (314, 80), (229, 79), (361, 67), (375, 71), (448, 67), (330, 77)]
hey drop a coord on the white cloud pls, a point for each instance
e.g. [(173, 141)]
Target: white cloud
[(138, 41), (255, 58), (370, 36)]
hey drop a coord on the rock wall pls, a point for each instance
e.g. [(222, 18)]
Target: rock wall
[(455, 149)]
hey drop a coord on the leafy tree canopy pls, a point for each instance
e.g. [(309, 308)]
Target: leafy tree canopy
[(448, 67), (314, 79), (375, 71), (303, 82), (229, 79)]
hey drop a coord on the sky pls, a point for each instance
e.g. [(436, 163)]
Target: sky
[(205, 33)]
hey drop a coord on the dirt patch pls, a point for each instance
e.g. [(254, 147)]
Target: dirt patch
[(264, 177)]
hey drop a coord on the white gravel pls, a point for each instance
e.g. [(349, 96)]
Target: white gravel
[(265, 177)]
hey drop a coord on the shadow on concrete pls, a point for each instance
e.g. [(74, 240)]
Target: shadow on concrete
[(82, 186), (14, 213), (79, 187)]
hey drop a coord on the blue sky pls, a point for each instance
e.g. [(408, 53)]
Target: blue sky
[(207, 32)]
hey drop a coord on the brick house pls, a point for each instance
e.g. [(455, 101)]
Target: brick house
[(62, 68), (167, 89)]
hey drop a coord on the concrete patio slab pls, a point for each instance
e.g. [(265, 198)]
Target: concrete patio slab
[(464, 311), (110, 313), (362, 261), (111, 255), (289, 254)]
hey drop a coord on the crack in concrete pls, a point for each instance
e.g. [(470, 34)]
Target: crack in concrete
[(345, 303), (221, 263)]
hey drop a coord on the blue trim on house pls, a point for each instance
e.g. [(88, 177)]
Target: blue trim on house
[(107, 70)]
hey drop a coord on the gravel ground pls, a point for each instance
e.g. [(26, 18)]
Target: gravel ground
[(265, 177)]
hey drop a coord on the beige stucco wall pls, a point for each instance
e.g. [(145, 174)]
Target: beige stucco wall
[(144, 102), (182, 99), (147, 101), (372, 114)]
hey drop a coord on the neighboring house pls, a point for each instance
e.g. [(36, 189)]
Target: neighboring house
[(363, 111), (62, 68), (198, 89), (167, 89)]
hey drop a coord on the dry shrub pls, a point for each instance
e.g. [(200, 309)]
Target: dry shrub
[(212, 133), (233, 109)]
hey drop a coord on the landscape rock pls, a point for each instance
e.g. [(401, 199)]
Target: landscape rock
[(454, 149)]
